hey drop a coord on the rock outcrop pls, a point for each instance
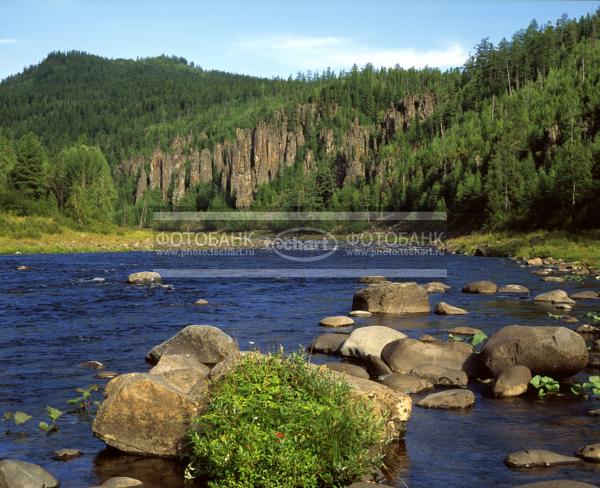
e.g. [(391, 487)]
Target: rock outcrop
[(397, 298)]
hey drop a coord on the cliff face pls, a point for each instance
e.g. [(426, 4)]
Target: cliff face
[(256, 156)]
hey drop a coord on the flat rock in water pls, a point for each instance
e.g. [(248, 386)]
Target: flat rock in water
[(19, 474), (441, 376), (444, 308), (120, 482), (66, 454), (512, 382), (465, 331), (106, 375), (405, 383), (530, 458), (557, 484), (513, 289), (329, 343), (553, 279), (585, 295), (396, 298), (349, 369), (23, 268), (336, 321), (369, 340), (436, 287), (542, 272), (448, 399), (360, 313), (144, 278), (590, 452), (201, 301), (587, 329), (554, 296), (97, 365), (480, 287)]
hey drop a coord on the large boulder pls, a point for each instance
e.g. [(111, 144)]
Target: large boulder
[(183, 371), (530, 458), (554, 351), (369, 340), (349, 369), (19, 474), (512, 382), (480, 287), (448, 399), (404, 355), (206, 343), (143, 414), (398, 298), (554, 296), (329, 343), (144, 278)]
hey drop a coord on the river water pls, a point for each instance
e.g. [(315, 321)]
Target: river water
[(55, 316)]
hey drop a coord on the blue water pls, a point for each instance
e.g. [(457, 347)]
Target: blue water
[(54, 317)]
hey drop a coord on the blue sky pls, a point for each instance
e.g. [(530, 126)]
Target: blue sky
[(267, 38)]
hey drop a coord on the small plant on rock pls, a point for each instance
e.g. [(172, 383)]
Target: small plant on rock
[(478, 338), (274, 421), (545, 385)]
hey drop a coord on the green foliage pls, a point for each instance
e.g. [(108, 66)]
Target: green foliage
[(545, 385), (595, 316), (276, 422), (576, 278), (84, 401), (19, 418), (554, 316), (28, 173), (54, 414), (478, 338)]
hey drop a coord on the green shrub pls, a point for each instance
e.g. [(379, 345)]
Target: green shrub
[(275, 422)]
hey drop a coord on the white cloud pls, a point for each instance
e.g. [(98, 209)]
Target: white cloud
[(8, 41), (306, 52)]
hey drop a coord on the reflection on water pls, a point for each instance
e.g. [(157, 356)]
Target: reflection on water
[(54, 317)]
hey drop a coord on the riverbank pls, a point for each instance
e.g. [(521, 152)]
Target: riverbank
[(582, 248)]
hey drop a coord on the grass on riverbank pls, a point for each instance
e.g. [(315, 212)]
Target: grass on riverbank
[(572, 247), (35, 234)]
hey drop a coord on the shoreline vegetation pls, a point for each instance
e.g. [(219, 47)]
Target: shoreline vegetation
[(49, 235)]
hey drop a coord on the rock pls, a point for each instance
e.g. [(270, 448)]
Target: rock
[(481, 287), (328, 343), (596, 345), (542, 272), (120, 482), (512, 382), (567, 319), (106, 375), (145, 415), (553, 279), (555, 296), (594, 360), (554, 351), (208, 344), (224, 367), (428, 338), (585, 295), (369, 340), (436, 287), (594, 413), (97, 365), (372, 279), (591, 452), (98, 279), (441, 376), (394, 406), (349, 369), (563, 306), (183, 371), (557, 484), (144, 278), (587, 329), (404, 355), (336, 321), (465, 331), (19, 474), (537, 457), (443, 308), (22, 267), (513, 289), (535, 262), (360, 313), (398, 298), (405, 383), (376, 366), (361, 484), (482, 251), (448, 399), (201, 301), (66, 454)]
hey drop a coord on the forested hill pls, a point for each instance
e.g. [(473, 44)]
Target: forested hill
[(510, 140)]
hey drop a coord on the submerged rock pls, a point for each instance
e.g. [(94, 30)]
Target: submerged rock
[(444, 308), (19, 474), (398, 298), (360, 313), (554, 296), (405, 383), (585, 295), (465, 331), (106, 375), (372, 279), (144, 414), (336, 321), (97, 365), (201, 301), (554, 351), (512, 382), (144, 278), (206, 343), (369, 340), (481, 287), (66, 454), (448, 399), (530, 458), (329, 343), (120, 482), (553, 279), (513, 289)]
